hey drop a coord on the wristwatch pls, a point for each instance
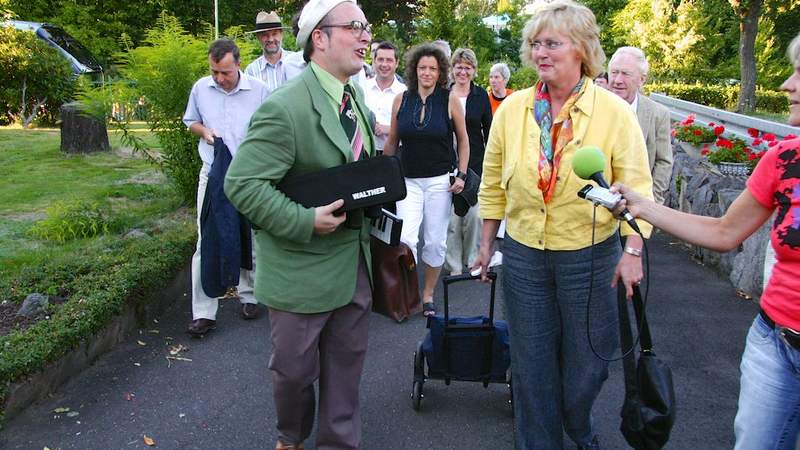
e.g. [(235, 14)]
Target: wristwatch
[(633, 251), (461, 175)]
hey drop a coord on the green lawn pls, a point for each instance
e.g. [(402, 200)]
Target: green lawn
[(128, 187), (775, 117)]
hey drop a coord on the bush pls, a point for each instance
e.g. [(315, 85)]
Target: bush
[(720, 97), (97, 287), (522, 78), (36, 80), (162, 73), (71, 219)]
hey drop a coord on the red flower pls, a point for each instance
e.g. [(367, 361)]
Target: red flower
[(769, 137), (718, 130), (722, 142), (688, 120), (789, 136), (705, 151), (753, 156), (753, 132), (711, 124), (771, 143), (697, 132), (757, 141), (673, 132)]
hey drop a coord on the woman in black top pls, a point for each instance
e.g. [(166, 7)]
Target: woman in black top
[(424, 120), (464, 233)]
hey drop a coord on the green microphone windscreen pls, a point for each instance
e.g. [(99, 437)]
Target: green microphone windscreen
[(588, 161)]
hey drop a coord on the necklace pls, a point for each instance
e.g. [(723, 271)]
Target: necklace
[(419, 105)]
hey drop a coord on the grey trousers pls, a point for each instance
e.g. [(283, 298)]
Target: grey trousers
[(463, 240), (329, 347)]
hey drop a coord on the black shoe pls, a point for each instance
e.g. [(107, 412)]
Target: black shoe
[(200, 327), (249, 311)]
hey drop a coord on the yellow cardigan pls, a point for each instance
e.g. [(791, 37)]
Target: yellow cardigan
[(510, 175)]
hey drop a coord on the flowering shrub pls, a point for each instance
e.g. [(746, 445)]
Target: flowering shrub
[(693, 133), (720, 149)]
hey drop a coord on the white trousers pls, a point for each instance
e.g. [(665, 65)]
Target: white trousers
[(203, 306), (463, 239), (427, 203)]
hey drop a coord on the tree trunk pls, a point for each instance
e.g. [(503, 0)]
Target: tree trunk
[(81, 133), (748, 29)]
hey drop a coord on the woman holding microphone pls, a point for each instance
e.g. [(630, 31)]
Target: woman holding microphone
[(769, 397)]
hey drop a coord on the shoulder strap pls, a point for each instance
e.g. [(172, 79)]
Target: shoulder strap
[(626, 340), (645, 340)]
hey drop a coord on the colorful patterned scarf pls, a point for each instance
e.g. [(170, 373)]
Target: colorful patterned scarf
[(559, 132)]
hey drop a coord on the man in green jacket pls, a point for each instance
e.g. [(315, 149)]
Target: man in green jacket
[(312, 273)]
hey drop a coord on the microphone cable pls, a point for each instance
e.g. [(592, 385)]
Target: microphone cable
[(646, 257)]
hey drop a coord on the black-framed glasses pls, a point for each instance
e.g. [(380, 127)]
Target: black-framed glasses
[(356, 27), (548, 44)]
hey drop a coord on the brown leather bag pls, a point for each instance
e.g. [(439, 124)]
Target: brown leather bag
[(395, 292)]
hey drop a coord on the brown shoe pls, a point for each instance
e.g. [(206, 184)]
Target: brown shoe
[(249, 311), (281, 446), (200, 327)]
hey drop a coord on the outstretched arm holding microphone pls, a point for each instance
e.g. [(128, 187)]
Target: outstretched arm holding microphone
[(722, 234), (770, 388)]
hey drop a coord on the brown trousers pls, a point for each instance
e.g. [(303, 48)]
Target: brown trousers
[(329, 347)]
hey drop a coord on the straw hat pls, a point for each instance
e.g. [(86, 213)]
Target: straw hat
[(267, 21)]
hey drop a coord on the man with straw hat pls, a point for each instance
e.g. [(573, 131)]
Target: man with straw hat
[(270, 67)]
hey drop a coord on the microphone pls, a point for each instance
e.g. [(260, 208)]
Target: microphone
[(588, 164)]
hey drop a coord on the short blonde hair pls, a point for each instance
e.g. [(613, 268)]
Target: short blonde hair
[(574, 20), (465, 55), (793, 52)]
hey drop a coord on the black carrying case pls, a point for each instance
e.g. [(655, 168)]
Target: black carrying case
[(366, 183)]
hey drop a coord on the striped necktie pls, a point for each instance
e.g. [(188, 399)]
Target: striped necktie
[(347, 116)]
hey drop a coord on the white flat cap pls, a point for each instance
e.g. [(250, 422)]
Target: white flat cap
[(312, 13)]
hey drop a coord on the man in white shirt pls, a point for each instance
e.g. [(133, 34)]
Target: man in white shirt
[(627, 73), (220, 105), (380, 91), (271, 66)]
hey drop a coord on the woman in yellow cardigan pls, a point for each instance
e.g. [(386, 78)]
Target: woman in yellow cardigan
[(547, 250)]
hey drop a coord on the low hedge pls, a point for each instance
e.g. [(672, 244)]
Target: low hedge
[(721, 96), (97, 286)]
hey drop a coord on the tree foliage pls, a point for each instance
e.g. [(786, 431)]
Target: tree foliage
[(36, 80), (669, 35), (163, 72)]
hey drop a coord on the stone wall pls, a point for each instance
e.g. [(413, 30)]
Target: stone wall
[(697, 187)]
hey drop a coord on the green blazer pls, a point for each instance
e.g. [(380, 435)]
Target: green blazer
[(296, 131)]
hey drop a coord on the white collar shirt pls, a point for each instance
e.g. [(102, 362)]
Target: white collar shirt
[(635, 104), (273, 75), (226, 113), (379, 101)]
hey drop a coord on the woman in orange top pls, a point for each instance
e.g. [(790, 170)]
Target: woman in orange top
[(498, 78)]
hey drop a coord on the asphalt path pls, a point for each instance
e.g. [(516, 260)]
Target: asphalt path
[(217, 394)]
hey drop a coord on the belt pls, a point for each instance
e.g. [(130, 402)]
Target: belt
[(790, 336)]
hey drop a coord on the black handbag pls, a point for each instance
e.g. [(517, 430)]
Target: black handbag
[(468, 197), (648, 412)]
